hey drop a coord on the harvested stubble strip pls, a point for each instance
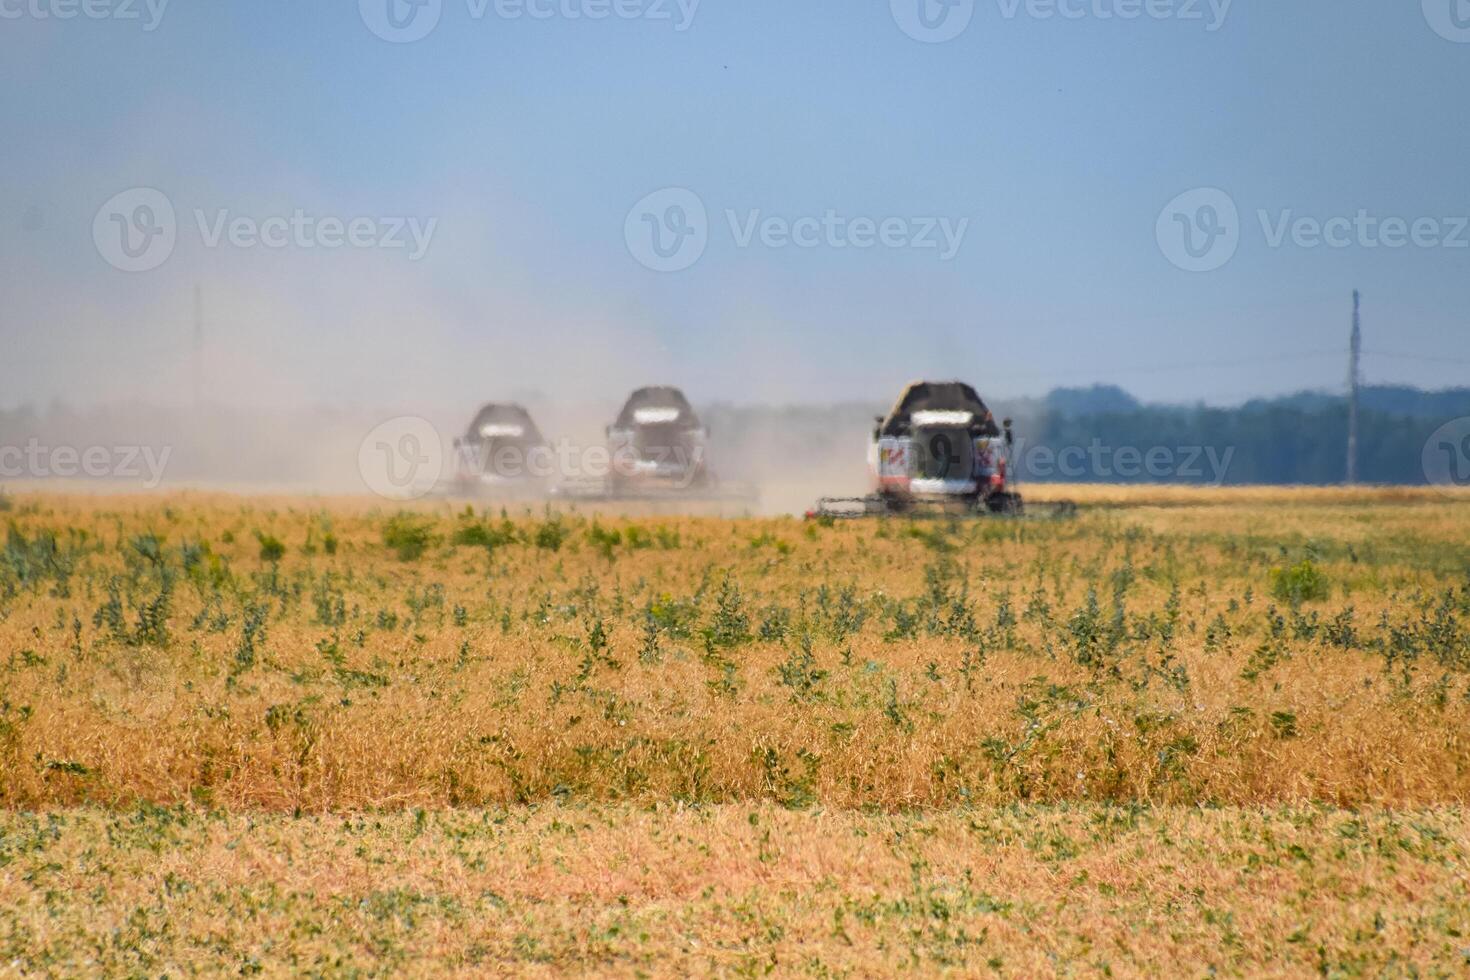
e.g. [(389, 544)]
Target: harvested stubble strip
[(678, 891)]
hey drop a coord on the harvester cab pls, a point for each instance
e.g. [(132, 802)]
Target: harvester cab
[(502, 451)]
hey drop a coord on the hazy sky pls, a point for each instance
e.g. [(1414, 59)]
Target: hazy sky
[(1037, 151)]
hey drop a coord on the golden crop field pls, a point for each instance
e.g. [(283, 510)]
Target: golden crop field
[(1185, 731)]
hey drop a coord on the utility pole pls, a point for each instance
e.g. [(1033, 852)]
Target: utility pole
[(198, 347), (1355, 354)]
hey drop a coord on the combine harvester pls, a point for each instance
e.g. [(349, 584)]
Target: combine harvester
[(502, 455), (939, 453), (658, 450)]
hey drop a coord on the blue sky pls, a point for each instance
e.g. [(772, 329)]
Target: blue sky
[(1057, 141)]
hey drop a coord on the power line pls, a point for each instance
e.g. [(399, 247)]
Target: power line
[(1189, 365), (1417, 357), (93, 356), (1233, 362), (71, 357)]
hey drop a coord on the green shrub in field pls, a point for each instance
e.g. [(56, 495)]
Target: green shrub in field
[(328, 541), (474, 534), (271, 548), (1302, 582), (800, 672), (549, 536), (409, 535), (604, 540), (673, 617), (636, 538), (731, 625)]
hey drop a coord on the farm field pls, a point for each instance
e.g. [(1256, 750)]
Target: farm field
[(1186, 731)]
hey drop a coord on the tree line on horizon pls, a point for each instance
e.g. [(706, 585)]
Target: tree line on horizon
[(1295, 439)]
